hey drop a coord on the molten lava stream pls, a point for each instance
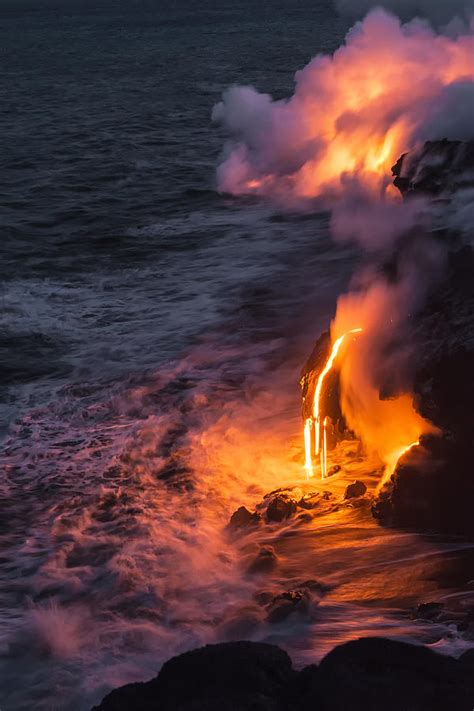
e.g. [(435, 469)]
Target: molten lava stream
[(393, 460), (324, 450), (316, 419), (308, 464)]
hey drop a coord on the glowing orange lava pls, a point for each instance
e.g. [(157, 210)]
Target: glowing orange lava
[(320, 429), (386, 426), (393, 459), (308, 463)]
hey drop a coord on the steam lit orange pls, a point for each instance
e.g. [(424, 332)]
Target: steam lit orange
[(352, 114)]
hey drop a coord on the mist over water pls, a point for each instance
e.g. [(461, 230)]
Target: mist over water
[(152, 336)]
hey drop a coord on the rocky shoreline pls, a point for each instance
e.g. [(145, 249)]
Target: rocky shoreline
[(431, 490)]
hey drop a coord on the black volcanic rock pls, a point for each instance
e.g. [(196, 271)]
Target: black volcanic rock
[(438, 167), (243, 518), (363, 675), (432, 488), (467, 658), (428, 611), (280, 507), (380, 674), (357, 488), (243, 676), (288, 603)]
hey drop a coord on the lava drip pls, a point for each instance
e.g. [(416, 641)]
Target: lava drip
[(317, 424)]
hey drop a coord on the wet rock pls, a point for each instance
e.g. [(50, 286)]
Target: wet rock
[(243, 518), (302, 601), (288, 603), (264, 562), (309, 501), (432, 488), (271, 494), (428, 611), (357, 488), (281, 507), (438, 167)]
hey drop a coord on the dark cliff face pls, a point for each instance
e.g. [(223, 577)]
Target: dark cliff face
[(437, 168), (433, 488)]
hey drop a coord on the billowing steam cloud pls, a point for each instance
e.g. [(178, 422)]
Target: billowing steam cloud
[(352, 115), (388, 89), (439, 11)]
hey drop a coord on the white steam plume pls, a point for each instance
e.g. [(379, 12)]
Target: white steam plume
[(386, 89)]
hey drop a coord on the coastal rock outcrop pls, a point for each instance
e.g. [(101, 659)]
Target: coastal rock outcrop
[(363, 675), (280, 507), (242, 518), (432, 487), (437, 167), (354, 490)]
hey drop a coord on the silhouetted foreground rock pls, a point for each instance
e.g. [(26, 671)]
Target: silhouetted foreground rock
[(366, 675), (221, 677), (392, 676)]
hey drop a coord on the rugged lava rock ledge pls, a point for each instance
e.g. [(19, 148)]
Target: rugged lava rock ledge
[(432, 489), (370, 674), (283, 504)]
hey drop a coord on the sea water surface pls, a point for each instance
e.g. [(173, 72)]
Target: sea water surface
[(152, 335)]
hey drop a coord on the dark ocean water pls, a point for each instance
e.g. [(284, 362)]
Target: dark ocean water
[(115, 247), (151, 337)]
